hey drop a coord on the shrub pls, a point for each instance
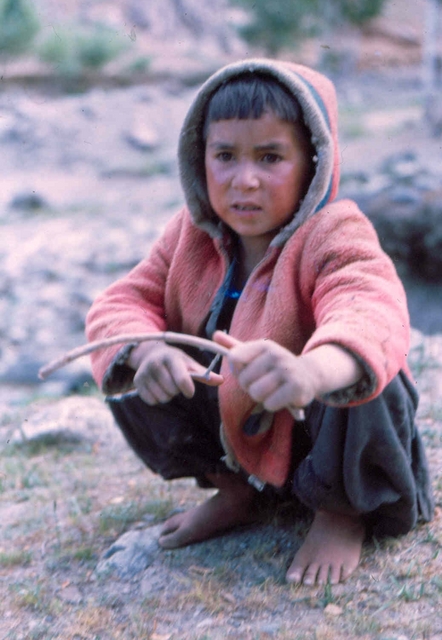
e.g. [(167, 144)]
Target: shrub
[(282, 23), (18, 26), (77, 48)]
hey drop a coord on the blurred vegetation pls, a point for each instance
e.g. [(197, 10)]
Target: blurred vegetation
[(18, 26), (70, 49), (73, 49), (282, 23)]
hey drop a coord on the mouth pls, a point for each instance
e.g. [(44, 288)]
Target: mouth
[(246, 207)]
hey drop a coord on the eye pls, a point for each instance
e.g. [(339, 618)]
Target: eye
[(224, 156), (271, 158)]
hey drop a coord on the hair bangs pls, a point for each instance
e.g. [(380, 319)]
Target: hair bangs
[(251, 96)]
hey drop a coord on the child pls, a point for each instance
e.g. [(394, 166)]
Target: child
[(316, 318)]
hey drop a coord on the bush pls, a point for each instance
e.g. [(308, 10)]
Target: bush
[(77, 48), (18, 26), (282, 23), (276, 24), (359, 11)]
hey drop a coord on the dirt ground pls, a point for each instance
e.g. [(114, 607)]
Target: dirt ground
[(70, 489), (73, 498)]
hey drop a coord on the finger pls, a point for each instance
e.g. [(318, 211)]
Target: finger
[(278, 389), (199, 372), (180, 374), (274, 396), (153, 393), (257, 366), (264, 388), (225, 340), (213, 380), (242, 357), (163, 381), (159, 382), (284, 396), (246, 352)]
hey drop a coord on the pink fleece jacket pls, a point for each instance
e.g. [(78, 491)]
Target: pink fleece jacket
[(324, 279)]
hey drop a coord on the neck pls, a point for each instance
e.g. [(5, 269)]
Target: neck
[(251, 252)]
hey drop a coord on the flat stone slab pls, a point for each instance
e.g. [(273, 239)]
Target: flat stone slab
[(132, 553)]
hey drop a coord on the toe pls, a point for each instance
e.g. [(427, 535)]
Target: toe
[(325, 574), (335, 574), (347, 571), (172, 533), (295, 574), (167, 542), (172, 524), (310, 575), (173, 540)]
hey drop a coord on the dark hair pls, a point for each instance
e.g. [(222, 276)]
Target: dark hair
[(250, 96)]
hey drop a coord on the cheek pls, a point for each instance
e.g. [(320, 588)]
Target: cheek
[(295, 179), (211, 183), (215, 189), (215, 178), (283, 187)]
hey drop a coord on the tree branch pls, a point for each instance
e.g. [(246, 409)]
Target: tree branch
[(166, 336)]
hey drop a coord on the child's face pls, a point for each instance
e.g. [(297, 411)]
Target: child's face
[(257, 171)]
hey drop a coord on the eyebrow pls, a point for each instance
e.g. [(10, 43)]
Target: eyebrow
[(271, 146)]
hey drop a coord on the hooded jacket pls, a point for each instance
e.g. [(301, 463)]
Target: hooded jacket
[(324, 279)]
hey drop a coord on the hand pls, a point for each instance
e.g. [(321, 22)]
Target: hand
[(275, 377), (162, 372), (271, 374)]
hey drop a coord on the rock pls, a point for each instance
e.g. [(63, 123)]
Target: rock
[(137, 15), (28, 201), (403, 199), (333, 610), (72, 420), (270, 628), (433, 114), (402, 166), (156, 579), (142, 137), (132, 553), (403, 34), (404, 202), (70, 594), (23, 371), (416, 241)]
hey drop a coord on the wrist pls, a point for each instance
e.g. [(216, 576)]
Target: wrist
[(138, 353), (332, 368)]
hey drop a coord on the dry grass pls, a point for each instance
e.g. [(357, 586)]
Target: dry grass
[(63, 502)]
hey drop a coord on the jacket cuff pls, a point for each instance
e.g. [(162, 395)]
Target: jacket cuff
[(119, 376), (357, 393)]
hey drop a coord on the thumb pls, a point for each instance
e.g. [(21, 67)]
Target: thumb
[(225, 340)]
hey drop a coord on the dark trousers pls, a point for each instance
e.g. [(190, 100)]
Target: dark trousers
[(366, 460)]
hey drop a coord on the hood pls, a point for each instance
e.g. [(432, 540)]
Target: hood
[(316, 95)]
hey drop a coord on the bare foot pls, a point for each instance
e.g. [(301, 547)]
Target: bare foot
[(232, 506), (330, 552)]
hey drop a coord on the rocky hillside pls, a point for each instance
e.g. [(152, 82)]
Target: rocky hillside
[(89, 179)]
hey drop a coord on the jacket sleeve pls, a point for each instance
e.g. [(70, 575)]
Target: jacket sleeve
[(357, 298), (133, 304)]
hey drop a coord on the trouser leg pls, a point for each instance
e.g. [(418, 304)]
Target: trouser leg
[(368, 460), (177, 439)]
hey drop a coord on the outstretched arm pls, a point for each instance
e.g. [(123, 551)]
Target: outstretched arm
[(275, 377)]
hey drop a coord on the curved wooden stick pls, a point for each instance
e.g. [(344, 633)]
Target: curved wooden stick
[(166, 336)]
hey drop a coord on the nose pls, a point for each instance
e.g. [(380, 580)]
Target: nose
[(245, 176)]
